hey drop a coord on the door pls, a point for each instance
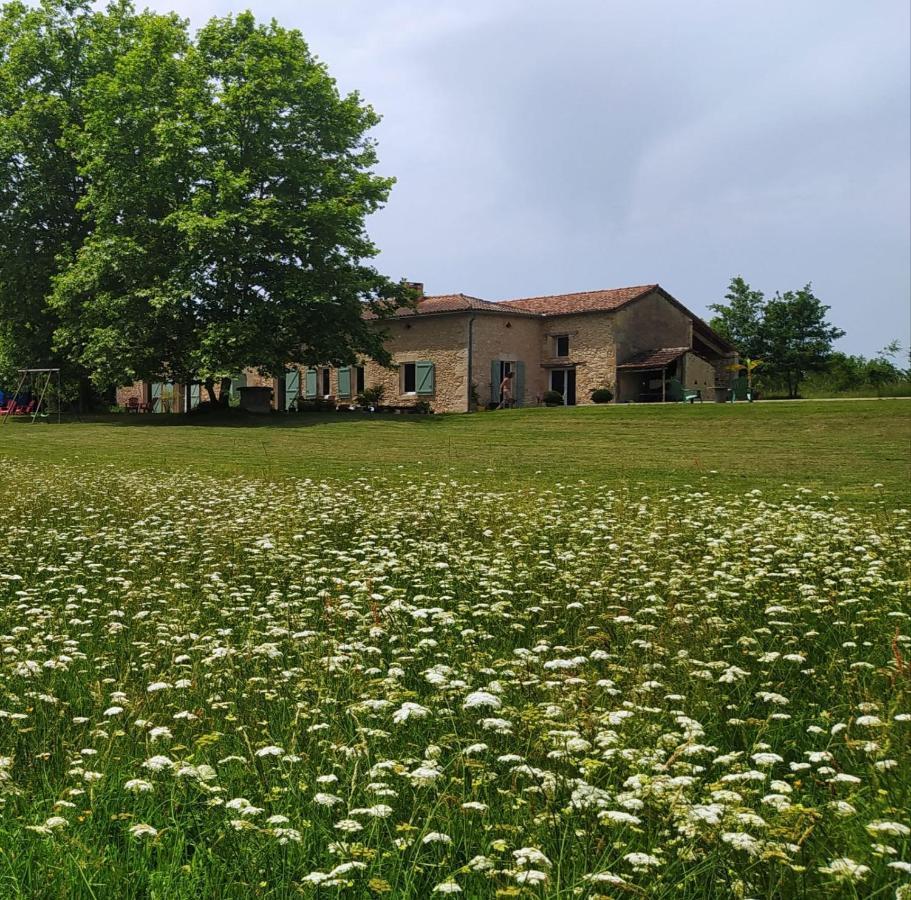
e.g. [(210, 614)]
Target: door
[(563, 381)]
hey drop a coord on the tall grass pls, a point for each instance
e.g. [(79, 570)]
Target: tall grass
[(408, 685)]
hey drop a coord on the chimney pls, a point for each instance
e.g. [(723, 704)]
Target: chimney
[(417, 286)]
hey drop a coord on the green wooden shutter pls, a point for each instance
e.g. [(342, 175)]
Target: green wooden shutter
[(423, 377), (519, 389), (495, 381), (156, 396), (237, 383), (292, 387), (310, 384), (194, 396), (344, 381)]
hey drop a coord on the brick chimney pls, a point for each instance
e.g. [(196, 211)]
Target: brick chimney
[(416, 286)]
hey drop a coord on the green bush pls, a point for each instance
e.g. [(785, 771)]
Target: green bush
[(602, 395), (553, 398)]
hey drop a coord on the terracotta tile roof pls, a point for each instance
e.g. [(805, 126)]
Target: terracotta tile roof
[(553, 305), (655, 359), (587, 301), (447, 303)]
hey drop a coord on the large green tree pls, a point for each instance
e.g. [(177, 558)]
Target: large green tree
[(228, 187), (48, 54), (178, 207)]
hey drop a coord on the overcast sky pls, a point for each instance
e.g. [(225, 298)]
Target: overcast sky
[(549, 147)]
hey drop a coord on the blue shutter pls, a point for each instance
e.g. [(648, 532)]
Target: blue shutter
[(423, 377), (292, 387), (156, 396), (344, 381), (519, 389), (194, 396), (495, 381), (310, 384)]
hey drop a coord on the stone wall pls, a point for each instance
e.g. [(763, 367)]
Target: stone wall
[(592, 350), (699, 374), (136, 390), (510, 338), (442, 340), (649, 323)]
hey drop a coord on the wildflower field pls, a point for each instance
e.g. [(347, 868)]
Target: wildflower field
[(412, 683)]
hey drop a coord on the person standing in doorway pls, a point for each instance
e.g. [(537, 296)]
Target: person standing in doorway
[(506, 391)]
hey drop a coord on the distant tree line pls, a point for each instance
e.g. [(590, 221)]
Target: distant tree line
[(177, 206), (791, 339)]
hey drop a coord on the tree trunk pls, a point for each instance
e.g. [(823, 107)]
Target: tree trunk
[(85, 394), (224, 393)]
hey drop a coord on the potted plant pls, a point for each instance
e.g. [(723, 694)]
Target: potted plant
[(371, 397)]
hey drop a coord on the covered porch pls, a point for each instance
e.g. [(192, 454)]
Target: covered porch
[(665, 375)]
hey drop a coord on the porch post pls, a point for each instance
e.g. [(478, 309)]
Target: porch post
[(663, 383)]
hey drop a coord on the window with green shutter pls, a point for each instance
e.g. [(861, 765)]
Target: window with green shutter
[(310, 384), (519, 389), (156, 397), (423, 371), (292, 387), (344, 381)]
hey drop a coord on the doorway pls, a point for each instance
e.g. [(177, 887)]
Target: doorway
[(563, 381)]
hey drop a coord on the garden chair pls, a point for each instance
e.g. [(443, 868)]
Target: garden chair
[(677, 393), (739, 390)]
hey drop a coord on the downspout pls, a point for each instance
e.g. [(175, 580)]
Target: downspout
[(470, 361)]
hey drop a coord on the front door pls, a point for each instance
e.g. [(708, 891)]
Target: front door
[(563, 381)]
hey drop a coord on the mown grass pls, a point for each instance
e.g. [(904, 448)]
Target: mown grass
[(841, 446)]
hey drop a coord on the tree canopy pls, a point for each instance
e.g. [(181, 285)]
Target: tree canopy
[(177, 206), (789, 333)]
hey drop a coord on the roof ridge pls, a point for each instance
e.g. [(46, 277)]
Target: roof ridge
[(631, 287)]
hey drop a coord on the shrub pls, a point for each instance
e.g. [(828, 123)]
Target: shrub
[(602, 395), (372, 396), (553, 398)]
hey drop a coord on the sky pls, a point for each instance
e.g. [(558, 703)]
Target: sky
[(552, 147)]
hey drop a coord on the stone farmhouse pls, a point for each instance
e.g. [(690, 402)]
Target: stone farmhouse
[(452, 352)]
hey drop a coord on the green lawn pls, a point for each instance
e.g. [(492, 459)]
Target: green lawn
[(841, 446)]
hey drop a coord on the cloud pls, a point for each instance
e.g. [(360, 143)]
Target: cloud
[(546, 147)]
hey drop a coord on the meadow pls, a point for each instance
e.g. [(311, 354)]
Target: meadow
[(549, 653)]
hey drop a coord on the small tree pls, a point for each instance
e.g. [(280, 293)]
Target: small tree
[(740, 319), (796, 335)]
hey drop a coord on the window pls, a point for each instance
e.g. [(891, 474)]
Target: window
[(324, 376), (409, 378), (417, 378), (359, 379), (561, 345)]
